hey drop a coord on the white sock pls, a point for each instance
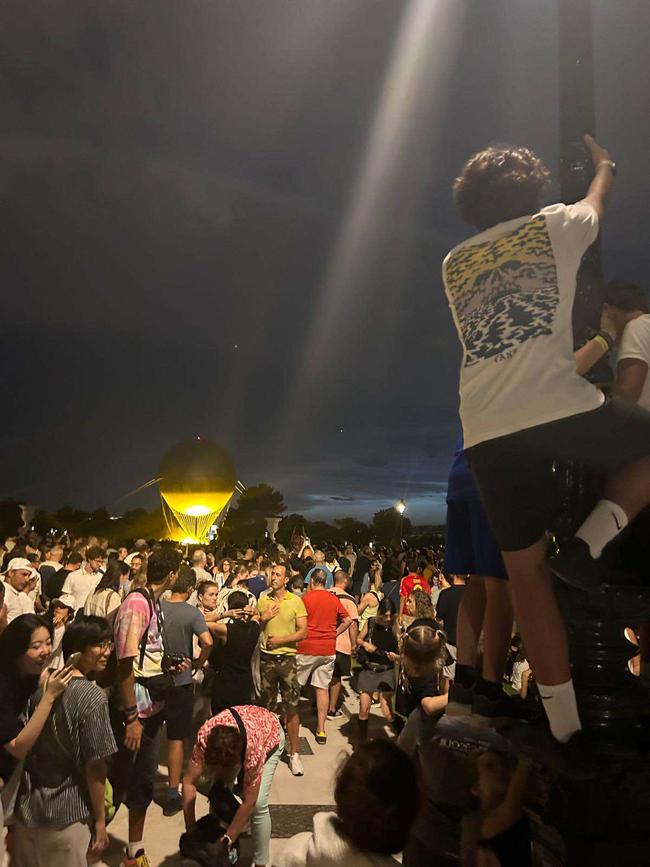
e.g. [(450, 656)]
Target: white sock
[(603, 524), (134, 848), (560, 705)]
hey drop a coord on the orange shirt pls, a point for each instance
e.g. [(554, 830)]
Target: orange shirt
[(324, 613)]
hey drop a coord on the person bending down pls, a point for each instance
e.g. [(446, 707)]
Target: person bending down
[(219, 747)]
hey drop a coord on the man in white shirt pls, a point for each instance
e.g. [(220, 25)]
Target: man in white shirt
[(82, 582), (199, 562), (16, 578), (523, 403), (627, 306)]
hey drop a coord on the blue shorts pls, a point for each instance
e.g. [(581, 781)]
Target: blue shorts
[(471, 548)]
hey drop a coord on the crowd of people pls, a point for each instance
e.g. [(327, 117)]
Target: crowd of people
[(218, 647), (134, 639), (101, 646)]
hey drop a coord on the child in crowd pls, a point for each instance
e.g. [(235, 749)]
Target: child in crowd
[(499, 832), (377, 797)]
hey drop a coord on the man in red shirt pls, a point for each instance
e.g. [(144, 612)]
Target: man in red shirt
[(326, 619)]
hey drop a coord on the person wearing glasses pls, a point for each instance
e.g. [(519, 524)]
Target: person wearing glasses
[(60, 812)]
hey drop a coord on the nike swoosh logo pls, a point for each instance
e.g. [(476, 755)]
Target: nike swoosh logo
[(618, 526), (545, 697)]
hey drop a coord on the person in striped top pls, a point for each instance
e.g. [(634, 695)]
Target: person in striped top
[(60, 805)]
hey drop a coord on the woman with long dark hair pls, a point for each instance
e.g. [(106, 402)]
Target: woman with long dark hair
[(106, 598), (25, 650)]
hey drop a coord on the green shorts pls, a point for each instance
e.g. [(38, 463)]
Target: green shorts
[(279, 672)]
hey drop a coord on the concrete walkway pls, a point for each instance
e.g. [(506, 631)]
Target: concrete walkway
[(305, 795)]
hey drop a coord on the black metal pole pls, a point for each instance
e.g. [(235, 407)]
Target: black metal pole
[(577, 117)]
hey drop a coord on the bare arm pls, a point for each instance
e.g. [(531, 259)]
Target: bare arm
[(354, 631), (631, 374), (205, 643), (22, 744), (588, 355), (525, 682), (343, 626), (361, 636), (434, 703), (244, 813), (188, 792), (292, 638), (96, 781), (507, 813), (126, 689), (603, 182)]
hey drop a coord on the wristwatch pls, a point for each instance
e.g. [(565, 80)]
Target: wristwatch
[(609, 163)]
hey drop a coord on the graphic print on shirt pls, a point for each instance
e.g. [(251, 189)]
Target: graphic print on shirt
[(504, 292)]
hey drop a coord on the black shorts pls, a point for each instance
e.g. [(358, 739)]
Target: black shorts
[(342, 665), (179, 705), (514, 473)]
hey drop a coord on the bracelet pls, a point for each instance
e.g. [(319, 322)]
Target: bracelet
[(607, 337), (600, 340), (132, 718), (128, 710), (227, 840), (609, 163)]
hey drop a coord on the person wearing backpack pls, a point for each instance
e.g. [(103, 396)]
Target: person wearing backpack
[(142, 680)]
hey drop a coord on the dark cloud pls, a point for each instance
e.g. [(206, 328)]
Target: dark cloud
[(174, 182)]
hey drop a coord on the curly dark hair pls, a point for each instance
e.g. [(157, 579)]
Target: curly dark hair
[(161, 563), (500, 183), (223, 746)]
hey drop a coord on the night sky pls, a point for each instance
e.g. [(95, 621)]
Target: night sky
[(227, 218)]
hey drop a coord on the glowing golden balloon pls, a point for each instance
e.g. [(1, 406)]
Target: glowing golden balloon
[(197, 480)]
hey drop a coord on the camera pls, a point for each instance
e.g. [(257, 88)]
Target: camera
[(170, 661)]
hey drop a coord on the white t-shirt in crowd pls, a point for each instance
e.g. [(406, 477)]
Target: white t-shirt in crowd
[(511, 291), (78, 586), (325, 847), (518, 669), (17, 602), (635, 343)]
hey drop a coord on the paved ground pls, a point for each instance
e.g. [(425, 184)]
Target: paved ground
[(293, 799)]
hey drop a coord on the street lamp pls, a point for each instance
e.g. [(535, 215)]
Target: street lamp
[(401, 506)]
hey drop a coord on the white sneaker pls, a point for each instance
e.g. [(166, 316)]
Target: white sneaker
[(295, 765)]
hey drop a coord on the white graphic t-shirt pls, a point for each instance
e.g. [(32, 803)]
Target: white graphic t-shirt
[(511, 291), (635, 343)]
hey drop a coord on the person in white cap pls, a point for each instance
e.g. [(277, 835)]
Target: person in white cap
[(140, 549), (16, 578)]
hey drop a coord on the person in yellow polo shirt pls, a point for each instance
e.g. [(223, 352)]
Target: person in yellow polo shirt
[(283, 618)]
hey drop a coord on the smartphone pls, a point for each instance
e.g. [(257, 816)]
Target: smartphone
[(72, 660)]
